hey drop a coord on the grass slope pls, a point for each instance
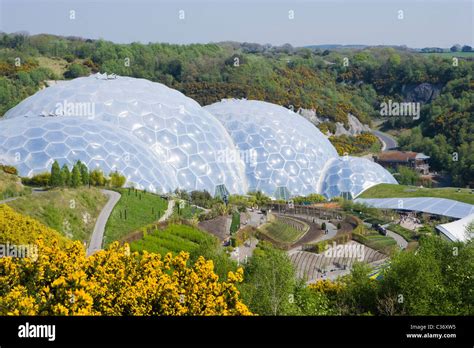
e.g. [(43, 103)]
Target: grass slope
[(141, 209), (11, 186), (403, 191), (72, 212)]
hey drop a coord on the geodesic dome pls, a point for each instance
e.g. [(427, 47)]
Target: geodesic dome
[(173, 127), (282, 149), (32, 146), (349, 176)]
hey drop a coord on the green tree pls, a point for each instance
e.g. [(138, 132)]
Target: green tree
[(56, 178), (76, 179), (66, 175), (84, 173), (117, 180), (407, 176), (437, 279), (269, 282), (75, 70), (97, 178)]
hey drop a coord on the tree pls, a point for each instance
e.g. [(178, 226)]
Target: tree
[(437, 279), (407, 176), (97, 178), (84, 173), (75, 70), (65, 175), (76, 179), (260, 198), (466, 48), (56, 178), (269, 282), (455, 48), (117, 180)]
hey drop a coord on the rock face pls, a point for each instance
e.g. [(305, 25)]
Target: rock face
[(422, 93), (355, 126)]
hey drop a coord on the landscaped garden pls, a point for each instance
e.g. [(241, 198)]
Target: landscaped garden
[(173, 239), (282, 232)]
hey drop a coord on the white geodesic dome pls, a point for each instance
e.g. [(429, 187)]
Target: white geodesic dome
[(174, 128), (350, 176), (288, 151), (33, 145)]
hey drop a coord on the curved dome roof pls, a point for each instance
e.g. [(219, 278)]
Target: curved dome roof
[(174, 127), (34, 145), (352, 175), (282, 148)]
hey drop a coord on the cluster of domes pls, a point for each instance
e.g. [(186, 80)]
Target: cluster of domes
[(162, 140)]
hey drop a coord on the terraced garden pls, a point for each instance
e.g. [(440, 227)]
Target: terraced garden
[(174, 239), (282, 232)]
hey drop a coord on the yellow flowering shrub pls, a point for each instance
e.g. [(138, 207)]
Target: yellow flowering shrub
[(62, 280), (328, 287), (19, 229)]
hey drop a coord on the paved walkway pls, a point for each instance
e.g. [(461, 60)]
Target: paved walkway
[(168, 211), (388, 142), (99, 228), (402, 243)]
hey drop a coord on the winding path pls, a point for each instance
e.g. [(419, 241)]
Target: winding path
[(388, 142), (99, 228), (168, 211)]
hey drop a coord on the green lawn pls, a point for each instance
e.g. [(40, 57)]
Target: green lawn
[(173, 239), (281, 232), (72, 212), (403, 191), (134, 210)]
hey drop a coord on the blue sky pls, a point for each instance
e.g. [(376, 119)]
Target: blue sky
[(426, 23)]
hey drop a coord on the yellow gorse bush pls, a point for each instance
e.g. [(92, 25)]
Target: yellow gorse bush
[(63, 281), (19, 229)]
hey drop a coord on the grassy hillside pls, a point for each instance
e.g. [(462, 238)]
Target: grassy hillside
[(72, 212), (57, 65), (11, 186), (134, 210), (402, 191)]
